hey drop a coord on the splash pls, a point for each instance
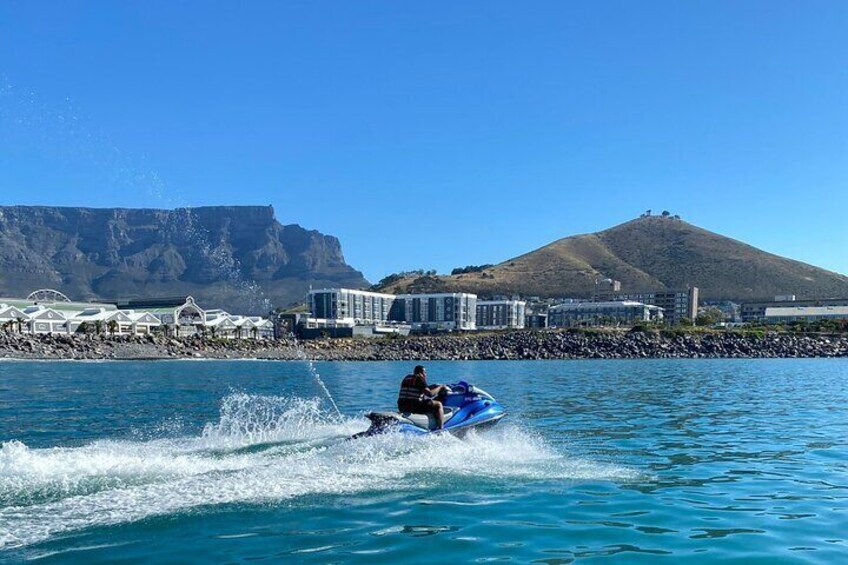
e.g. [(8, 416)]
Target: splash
[(63, 133), (262, 450), (313, 371)]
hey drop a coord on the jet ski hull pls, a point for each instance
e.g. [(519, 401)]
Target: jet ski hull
[(466, 408)]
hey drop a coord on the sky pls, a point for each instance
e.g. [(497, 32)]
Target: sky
[(434, 135)]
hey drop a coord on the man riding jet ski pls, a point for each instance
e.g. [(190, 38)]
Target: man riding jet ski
[(423, 409), (416, 397)]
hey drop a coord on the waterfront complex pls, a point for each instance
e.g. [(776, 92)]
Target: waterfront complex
[(677, 305), (788, 314), (787, 306), (602, 313), (333, 307), (178, 317)]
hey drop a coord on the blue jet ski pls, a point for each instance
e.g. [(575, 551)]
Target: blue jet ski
[(465, 407)]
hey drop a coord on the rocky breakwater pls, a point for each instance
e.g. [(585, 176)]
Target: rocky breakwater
[(582, 345), (104, 346), (513, 345)]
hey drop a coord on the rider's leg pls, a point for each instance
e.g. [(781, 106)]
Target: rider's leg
[(440, 414)]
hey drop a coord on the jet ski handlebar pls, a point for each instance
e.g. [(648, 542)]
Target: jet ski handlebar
[(463, 387)]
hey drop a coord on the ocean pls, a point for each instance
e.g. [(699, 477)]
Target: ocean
[(642, 461)]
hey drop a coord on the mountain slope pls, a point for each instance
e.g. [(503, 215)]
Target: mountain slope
[(654, 252), (237, 257)]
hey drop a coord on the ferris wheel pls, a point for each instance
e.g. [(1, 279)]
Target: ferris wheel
[(47, 295)]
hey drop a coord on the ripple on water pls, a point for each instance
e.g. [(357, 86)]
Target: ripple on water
[(635, 460)]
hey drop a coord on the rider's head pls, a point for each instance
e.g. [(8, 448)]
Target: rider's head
[(419, 370)]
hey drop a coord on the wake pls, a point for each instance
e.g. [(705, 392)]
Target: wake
[(262, 450)]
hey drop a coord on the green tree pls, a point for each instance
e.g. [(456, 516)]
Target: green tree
[(709, 317)]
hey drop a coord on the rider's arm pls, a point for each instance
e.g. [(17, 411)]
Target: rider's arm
[(434, 390)]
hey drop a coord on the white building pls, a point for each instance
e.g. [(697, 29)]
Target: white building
[(342, 307), (142, 323), (602, 313), (44, 320), (257, 328), (181, 320), (805, 313), (184, 320), (500, 314), (360, 306), (101, 320), (13, 318), (438, 311)]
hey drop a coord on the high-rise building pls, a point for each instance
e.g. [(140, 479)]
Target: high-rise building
[(500, 314), (443, 311), (359, 306), (439, 311)]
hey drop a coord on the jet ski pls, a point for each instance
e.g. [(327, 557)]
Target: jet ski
[(466, 407)]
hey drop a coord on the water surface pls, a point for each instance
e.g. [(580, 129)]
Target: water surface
[(236, 461)]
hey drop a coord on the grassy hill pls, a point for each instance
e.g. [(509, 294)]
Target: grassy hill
[(652, 252)]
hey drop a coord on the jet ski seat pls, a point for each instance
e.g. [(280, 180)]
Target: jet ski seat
[(428, 421)]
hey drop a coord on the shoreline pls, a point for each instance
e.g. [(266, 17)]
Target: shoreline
[(507, 345)]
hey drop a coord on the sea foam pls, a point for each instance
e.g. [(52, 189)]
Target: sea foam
[(262, 449)]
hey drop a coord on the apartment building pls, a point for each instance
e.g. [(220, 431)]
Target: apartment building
[(500, 314)]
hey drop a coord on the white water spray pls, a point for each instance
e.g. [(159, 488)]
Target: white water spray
[(301, 354), (262, 450)]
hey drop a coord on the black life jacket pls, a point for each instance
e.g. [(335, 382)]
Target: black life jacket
[(412, 388)]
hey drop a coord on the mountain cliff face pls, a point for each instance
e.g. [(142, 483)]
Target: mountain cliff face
[(237, 257), (654, 252)]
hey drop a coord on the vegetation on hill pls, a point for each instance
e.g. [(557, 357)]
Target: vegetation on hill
[(650, 252)]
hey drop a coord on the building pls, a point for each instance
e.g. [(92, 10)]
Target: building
[(220, 324), (756, 311), (361, 306), (12, 318), (180, 317), (676, 305), (183, 320), (436, 312), (337, 308), (289, 324), (620, 312), (253, 326), (101, 320), (536, 321), (142, 323), (500, 314), (44, 320), (786, 314)]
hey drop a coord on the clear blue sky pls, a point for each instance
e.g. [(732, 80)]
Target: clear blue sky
[(439, 134)]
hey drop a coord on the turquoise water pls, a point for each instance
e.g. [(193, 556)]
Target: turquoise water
[(235, 461)]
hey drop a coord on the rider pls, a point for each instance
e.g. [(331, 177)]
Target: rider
[(416, 397)]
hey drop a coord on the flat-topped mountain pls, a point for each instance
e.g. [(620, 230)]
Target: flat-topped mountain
[(650, 252), (225, 256)]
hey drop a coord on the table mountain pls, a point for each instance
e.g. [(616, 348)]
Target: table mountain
[(650, 252), (233, 257)]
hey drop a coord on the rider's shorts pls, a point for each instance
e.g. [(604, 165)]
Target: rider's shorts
[(425, 406)]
